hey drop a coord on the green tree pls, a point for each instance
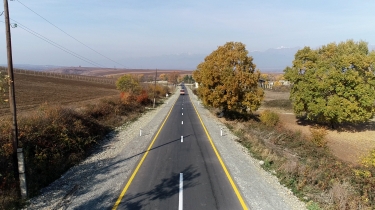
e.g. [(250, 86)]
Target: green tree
[(129, 84), (227, 79), (334, 84)]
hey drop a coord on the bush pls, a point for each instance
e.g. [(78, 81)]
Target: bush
[(143, 98), (159, 90), (269, 118), (54, 140), (318, 136)]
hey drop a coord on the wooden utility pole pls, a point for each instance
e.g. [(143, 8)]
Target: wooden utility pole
[(18, 164)]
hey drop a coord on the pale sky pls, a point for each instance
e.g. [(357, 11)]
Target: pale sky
[(131, 29)]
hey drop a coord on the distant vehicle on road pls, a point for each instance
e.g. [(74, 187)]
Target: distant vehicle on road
[(182, 92)]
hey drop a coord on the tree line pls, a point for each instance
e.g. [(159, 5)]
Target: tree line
[(332, 84)]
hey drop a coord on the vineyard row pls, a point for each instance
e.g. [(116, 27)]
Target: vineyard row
[(101, 80)]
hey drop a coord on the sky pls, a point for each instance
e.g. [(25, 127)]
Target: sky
[(127, 33)]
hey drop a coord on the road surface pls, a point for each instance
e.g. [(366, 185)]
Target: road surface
[(181, 169)]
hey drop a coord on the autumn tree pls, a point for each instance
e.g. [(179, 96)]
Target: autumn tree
[(162, 77), (227, 79), (265, 77), (129, 84), (334, 84), (173, 77)]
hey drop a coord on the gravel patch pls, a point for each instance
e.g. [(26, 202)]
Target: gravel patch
[(97, 182)]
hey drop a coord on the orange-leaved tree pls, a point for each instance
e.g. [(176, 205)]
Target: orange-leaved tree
[(227, 79)]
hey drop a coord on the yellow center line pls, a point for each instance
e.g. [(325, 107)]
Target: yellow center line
[(140, 162), (236, 191)]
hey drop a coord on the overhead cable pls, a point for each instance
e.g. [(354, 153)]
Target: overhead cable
[(56, 44), (69, 34)]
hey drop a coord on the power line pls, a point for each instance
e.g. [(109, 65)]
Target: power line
[(56, 44), (69, 34)]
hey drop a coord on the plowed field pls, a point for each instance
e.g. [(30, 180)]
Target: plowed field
[(33, 91)]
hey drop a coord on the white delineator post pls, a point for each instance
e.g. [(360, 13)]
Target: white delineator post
[(140, 131), (221, 131)]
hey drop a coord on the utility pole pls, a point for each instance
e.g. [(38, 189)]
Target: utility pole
[(17, 158), (156, 74)]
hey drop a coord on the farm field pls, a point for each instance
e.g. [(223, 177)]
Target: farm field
[(114, 73), (349, 143), (33, 91)]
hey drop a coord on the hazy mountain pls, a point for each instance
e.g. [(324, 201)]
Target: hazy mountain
[(183, 61), (274, 60), (271, 60)]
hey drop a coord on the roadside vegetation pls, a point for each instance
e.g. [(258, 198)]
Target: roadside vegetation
[(332, 85), (55, 138), (305, 165)]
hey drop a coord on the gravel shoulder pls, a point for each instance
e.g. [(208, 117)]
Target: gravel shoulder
[(97, 182)]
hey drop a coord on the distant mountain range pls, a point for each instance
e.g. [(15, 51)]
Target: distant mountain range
[(271, 60), (274, 60)]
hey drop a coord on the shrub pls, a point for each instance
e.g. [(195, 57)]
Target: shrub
[(269, 118), (365, 178), (318, 136), (127, 98), (143, 98), (312, 206), (159, 90)]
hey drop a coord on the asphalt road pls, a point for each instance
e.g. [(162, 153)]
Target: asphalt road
[(181, 170)]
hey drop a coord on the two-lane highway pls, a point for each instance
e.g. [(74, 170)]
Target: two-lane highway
[(181, 169)]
